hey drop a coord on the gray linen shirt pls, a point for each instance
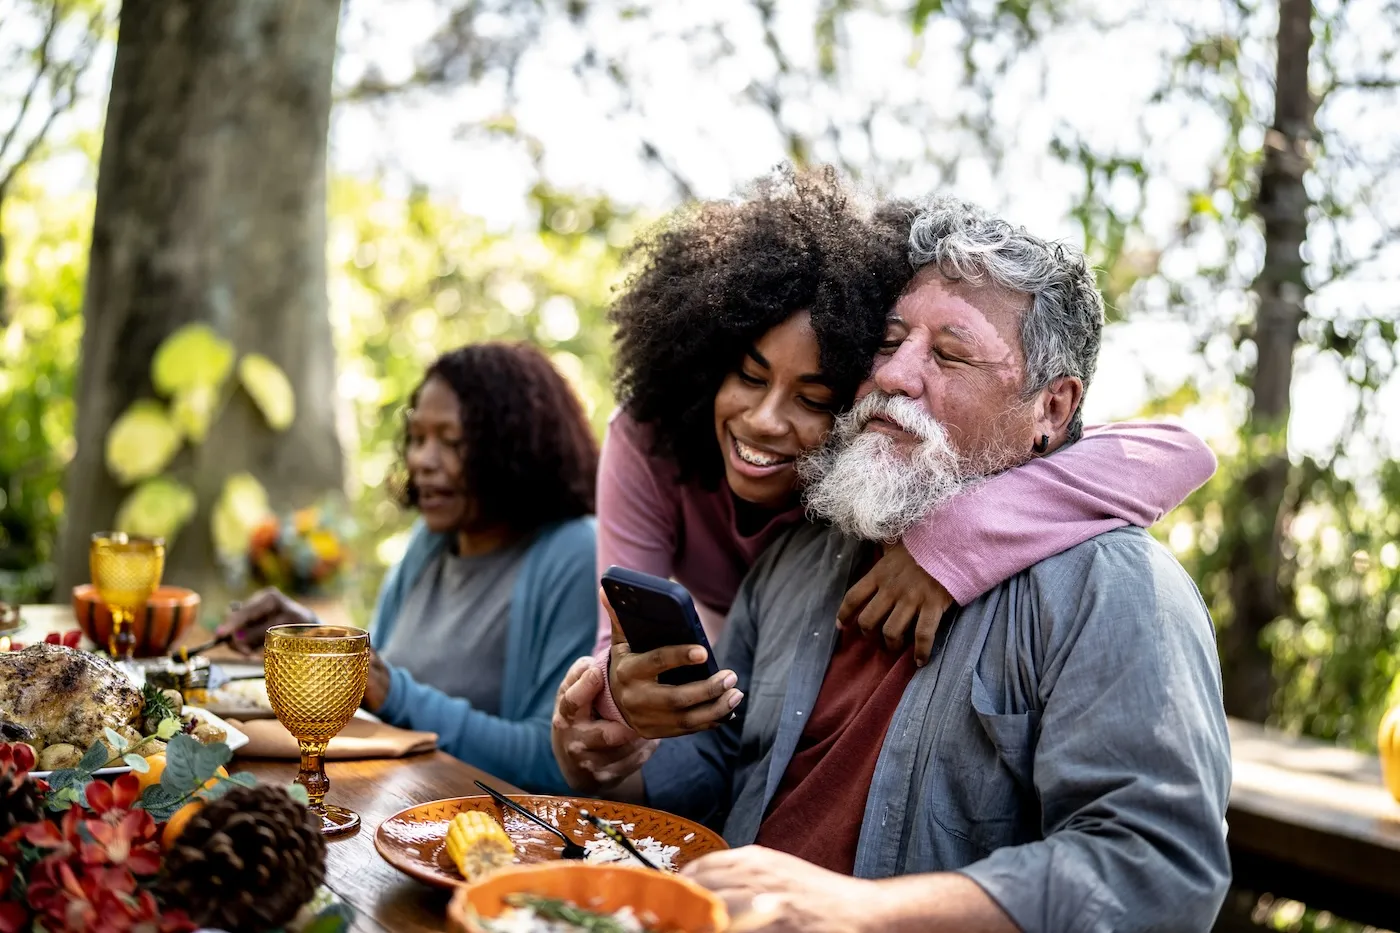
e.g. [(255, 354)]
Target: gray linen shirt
[(451, 632), (1065, 748)]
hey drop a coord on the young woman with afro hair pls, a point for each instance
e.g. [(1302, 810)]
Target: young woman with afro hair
[(495, 594), (745, 326)]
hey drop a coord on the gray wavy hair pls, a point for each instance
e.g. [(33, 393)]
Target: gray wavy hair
[(1061, 332)]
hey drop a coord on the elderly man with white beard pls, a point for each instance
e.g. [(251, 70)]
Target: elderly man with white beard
[(1062, 763)]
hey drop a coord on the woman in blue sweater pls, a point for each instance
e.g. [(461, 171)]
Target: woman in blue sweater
[(496, 593)]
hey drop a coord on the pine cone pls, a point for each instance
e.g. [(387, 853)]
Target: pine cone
[(246, 862)]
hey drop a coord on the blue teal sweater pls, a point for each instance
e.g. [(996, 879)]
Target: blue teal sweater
[(553, 619)]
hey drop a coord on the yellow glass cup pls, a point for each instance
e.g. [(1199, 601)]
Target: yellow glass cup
[(316, 678), (126, 570)]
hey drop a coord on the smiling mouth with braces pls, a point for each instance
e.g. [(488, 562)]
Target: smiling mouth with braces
[(755, 457)]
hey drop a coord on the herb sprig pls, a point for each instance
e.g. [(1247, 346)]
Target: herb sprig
[(553, 908)]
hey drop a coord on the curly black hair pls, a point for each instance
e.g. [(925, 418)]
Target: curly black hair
[(529, 455), (715, 276)]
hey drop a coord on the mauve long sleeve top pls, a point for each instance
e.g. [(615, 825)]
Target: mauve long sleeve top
[(1130, 473)]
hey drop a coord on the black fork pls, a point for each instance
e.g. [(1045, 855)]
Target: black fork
[(572, 850)]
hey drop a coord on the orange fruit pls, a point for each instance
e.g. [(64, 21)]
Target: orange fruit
[(157, 762), (152, 777), (177, 823), (214, 781)]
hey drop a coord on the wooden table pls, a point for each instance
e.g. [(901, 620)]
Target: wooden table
[(1313, 823), (383, 898), (1308, 821)]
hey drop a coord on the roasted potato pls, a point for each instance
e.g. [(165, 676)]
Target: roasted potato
[(59, 756), (208, 733), (150, 747)]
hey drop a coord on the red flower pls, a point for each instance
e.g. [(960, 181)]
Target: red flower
[(97, 899), (16, 758), (131, 842), (9, 864), (147, 918), (63, 837), (86, 900), (69, 639), (119, 796), (13, 917), (121, 835)]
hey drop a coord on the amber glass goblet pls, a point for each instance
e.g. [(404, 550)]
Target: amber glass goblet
[(316, 679), (125, 570)]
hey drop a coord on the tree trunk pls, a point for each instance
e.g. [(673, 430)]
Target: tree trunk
[(211, 203), (1257, 590)]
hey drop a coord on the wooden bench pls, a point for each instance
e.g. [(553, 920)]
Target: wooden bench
[(1314, 823)]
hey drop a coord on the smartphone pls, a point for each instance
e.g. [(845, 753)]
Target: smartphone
[(656, 613)]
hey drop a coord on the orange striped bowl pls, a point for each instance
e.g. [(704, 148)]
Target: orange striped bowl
[(667, 901), (169, 613)]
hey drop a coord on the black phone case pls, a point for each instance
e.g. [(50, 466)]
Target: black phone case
[(656, 613)]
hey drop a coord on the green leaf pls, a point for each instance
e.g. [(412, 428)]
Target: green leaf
[(158, 508), (299, 794), (194, 355), (62, 799), (224, 785), (94, 758), (188, 764), (213, 756), (193, 409), (62, 778), (334, 919), (115, 742), (921, 12), (141, 442), (167, 728), (270, 389), (216, 790), (138, 764), (161, 802), (241, 506)]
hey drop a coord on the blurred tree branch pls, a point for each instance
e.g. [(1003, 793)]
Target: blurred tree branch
[(790, 69), (68, 36)]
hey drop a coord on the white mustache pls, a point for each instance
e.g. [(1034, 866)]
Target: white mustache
[(901, 410)]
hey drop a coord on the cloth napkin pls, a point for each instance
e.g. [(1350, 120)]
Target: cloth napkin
[(361, 738)]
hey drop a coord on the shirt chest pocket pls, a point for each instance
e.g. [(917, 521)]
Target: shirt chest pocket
[(986, 758)]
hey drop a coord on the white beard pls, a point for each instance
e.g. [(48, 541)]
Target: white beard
[(865, 484)]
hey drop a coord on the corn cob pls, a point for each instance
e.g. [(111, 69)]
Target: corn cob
[(478, 845)]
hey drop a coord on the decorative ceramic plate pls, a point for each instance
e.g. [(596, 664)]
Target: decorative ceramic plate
[(234, 740), (414, 841)]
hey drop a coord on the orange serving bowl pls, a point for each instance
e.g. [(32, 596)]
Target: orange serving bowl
[(661, 900), (169, 613)]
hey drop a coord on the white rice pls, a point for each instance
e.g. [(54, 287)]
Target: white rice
[(241, 694), (604, 851), (525, 920)]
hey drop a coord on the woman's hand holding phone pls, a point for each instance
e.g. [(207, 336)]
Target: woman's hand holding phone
[(656, 710), (595, 755)]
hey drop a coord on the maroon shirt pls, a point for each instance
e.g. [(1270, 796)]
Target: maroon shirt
[(817, 812)]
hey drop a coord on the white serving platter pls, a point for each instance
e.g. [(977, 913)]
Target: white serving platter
[(234, 740)]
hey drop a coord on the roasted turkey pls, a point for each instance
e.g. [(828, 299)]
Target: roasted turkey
[(62, 695)]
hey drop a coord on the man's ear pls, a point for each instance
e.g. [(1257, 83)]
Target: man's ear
[(1054, 410)]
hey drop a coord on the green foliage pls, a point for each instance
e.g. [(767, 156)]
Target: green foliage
[(189, 764), (191, 367), (45, 264), (412, 278), (409, 279), (1335, 653)]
